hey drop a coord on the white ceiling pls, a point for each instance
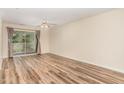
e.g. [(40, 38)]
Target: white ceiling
[(34, 16)]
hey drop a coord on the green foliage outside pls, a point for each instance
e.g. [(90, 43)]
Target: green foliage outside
[(23, 41)]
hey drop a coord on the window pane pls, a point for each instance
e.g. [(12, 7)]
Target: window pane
[(18, 48), (18, 41), (30, 42), (24, 42)]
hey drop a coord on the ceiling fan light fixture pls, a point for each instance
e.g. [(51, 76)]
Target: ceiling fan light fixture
[(44, 25)]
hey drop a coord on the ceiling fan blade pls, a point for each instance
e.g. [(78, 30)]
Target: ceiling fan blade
[(51, 24)]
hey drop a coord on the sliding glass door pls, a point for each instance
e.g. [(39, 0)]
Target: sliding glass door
[(24, 42)]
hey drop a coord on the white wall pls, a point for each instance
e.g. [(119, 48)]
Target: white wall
[(5, 37), (97, 40), (44, 41), (0, 41)]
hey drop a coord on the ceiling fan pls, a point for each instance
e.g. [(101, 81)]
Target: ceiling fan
[(45, 24)]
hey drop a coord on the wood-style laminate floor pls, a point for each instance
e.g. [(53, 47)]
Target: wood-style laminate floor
[(52, 69)]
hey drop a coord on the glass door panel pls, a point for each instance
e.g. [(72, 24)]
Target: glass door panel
[(30, 42), (18, 41), (24, 42)]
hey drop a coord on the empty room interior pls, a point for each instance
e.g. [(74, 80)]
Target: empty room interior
[(61, 46)]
